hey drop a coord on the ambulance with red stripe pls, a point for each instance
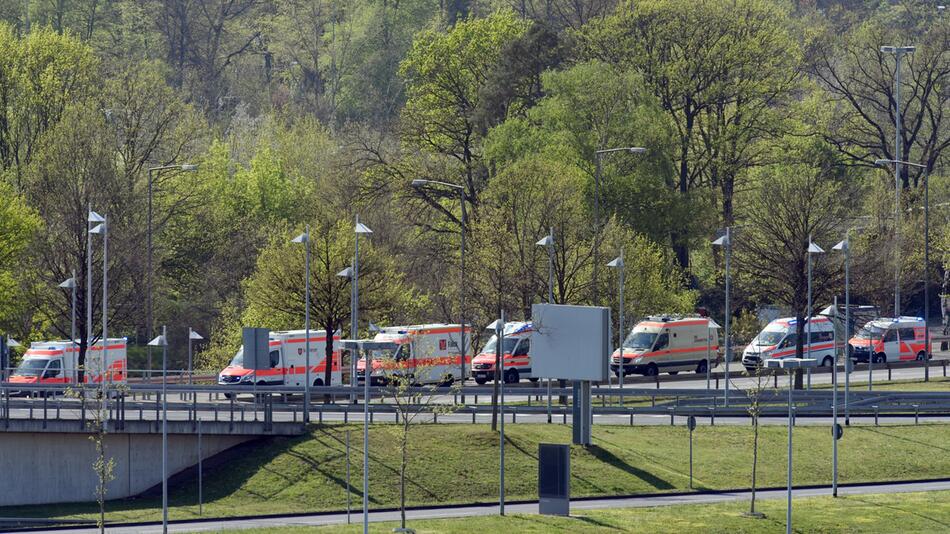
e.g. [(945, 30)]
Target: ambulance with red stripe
[(429, 353), (890, 340), (666, 343), (287, 363), (57, 362), (516, 357), (779, 338)]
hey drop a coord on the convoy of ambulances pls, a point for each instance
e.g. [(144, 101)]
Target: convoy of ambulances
[(429, 353), (57, 362), (889, 340), (516, 360), (666, 343), (778, 340), (287, 362)]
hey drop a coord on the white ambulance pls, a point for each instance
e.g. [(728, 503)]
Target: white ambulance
[(429, 353), (287, 361), (57, 362), (889, 340), (666, 343), (516, 359), (778, 340)]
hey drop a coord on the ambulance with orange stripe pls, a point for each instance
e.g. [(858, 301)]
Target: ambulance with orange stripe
[(516, 359), (666, 343), (778, 340), (429, 353), (57, 362), (287, 361), (890, 340)]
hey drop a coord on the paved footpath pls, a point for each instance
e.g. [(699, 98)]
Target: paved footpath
[(527, 508)]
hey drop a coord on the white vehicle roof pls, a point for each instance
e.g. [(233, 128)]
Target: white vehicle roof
[(906, 320), (517, 329), (66, 344), (787, 323), (390, 333), (284, 334)]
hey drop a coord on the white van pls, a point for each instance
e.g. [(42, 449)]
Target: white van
[(778, 340), (665, 343), (889, 340)]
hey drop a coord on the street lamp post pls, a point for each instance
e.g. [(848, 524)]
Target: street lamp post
[(845, 246), (161, 341), (192, 336), (103, 230), (499, 327), (881, 162), (597, 170), (790, 364), (358, 228), (70, 283), (548, 243), (91, 218), (304, 239), (617, 263), (418, 184), (898, 52), (812, 249), (726, 243), (148, 245)]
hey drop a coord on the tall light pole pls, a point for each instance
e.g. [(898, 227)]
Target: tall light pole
[(726, 243), (597, 170), (348, 274), (70, 283), (812, 249), (711, 327), (617, 263), (161, 341), (789, 364), (548, 243), (192, 336), (103, 230), (92, 218), (882, 162), (845, 246), (358, 228), (304, 239), (898, 52), (419, 184), (148, 245), (499, 327)]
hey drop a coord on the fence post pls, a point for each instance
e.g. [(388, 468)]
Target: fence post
[(875, 415), (916, 414), (888, 372)]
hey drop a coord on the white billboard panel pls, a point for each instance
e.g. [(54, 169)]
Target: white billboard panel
[(570, 342)]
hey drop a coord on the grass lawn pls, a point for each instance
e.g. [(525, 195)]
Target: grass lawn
[(906, 513), (458, 463)]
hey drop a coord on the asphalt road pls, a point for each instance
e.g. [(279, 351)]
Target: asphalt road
[(526, 508)]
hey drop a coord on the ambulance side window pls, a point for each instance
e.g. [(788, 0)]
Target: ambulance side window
[(274, 358), (789, 341), (907, 334), (891, 335), (53, 369), (662, 341), (522, 349)]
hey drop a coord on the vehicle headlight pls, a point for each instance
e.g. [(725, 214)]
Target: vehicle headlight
[(247, 378), (638, 359)]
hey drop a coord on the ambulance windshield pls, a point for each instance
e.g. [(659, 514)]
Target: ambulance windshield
[(238, 359), (510, 343), (870, 331), (768, 337), (31, 367), (390, 354), (640, 340)]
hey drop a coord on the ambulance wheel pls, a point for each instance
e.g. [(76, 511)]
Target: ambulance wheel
[(674, 373), (880, 357), (921, 356), (480, 380), (511, 376), (827, 362), (447, 381), (701, 368), (651, 370), (318, 382)]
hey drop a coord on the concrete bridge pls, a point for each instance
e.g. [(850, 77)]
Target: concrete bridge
[(51, 460)]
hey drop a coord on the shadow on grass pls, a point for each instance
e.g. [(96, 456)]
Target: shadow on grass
[(878, 504), (611, 459), (882, 432)]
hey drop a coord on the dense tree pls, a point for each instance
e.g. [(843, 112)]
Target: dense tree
[(18, 227)]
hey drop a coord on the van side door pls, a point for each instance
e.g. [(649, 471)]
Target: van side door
[(661, 348)]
